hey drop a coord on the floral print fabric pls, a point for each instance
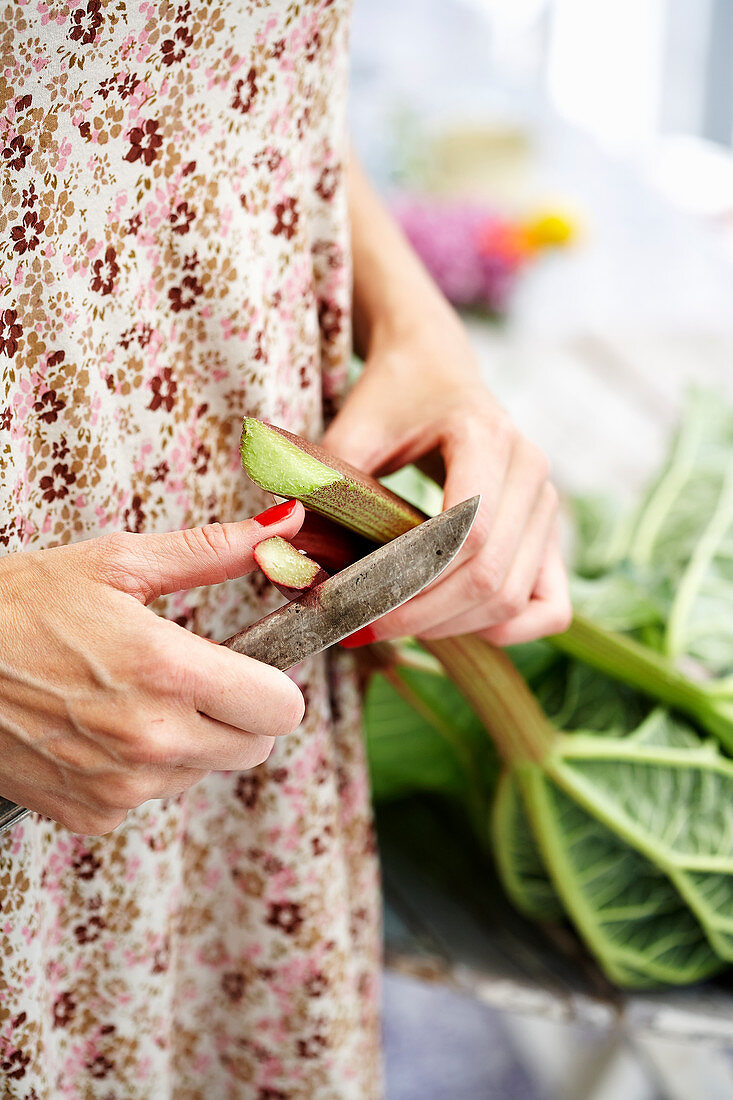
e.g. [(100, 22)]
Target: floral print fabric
[(173, 256)]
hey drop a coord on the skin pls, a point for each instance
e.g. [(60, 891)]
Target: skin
[(103, 704), (421, 399)]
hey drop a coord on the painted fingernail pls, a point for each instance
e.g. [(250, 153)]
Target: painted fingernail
[(364, 636), (277, 513)]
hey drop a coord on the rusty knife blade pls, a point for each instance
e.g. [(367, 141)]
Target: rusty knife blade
[(359, 594)]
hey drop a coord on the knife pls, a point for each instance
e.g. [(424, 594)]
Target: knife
[(345, 602)]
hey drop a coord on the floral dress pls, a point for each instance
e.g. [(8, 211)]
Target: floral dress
[(173, 256)]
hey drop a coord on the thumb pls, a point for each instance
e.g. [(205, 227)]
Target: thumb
[(148, 566)]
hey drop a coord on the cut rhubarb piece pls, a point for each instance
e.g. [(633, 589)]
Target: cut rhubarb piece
[(289, 466), (287, 567)]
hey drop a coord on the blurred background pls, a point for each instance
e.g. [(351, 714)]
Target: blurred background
[(565, 167)]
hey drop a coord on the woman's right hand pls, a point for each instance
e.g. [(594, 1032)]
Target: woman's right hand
[(103, 704)]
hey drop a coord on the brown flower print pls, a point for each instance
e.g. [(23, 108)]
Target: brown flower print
[(145, 141), (329, 318), (22, 103), (233, 986), (11, 331), (271, 1094), (161, 471), (248, 789), (88, 933), (134, 224), (287, 916), (6, 418), (316, 985), (286, 214), (86, 23), (30, 195), (26, 235), (164, 387), (55, 486), (100, 1066), (15, 1064), (174, 49), (134, 517), (48, 406), (64, 1008), (105, 271), (86, 865), (184, 296), (181, 218), (201, 459), (312, 46), (311, 1047), (327, 182), (127, 86), (245, 92), (17, 152)]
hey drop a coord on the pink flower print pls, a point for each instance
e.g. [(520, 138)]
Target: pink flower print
[(86, 23), (286, 214), (327, 182), (184, 296), (164, 387), (174, 49), (64, 1008), (245, 92), (287, 916), (55, 486), (26, 235), (16, 153), (11, 331), (145, 141), (181, 218), (105, 271), (48, 406)]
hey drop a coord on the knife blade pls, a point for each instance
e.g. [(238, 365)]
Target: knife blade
[(345, 602)]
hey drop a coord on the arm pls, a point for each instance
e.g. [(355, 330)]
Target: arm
[(421, 399)]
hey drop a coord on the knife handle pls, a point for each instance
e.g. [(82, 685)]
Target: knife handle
[(262, 641)]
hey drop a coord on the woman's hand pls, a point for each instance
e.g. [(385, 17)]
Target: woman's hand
[(103, 704), (421, 393), (421, 396)]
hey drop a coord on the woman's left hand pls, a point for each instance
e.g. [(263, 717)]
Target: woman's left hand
[(421, 394)]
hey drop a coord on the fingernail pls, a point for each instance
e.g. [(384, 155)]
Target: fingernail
[(277, 513), (364, 636)]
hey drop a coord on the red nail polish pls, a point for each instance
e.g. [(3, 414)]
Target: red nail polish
[(364, 636), (277, 513)]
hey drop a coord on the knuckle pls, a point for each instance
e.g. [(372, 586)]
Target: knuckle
[(150, 750), (123, 791), (213, 541), (560, 618), (510, 602), (551, 496), (485, 577), (479, 533), (539, 461)]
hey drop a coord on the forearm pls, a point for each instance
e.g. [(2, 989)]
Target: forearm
[(394, 297)]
